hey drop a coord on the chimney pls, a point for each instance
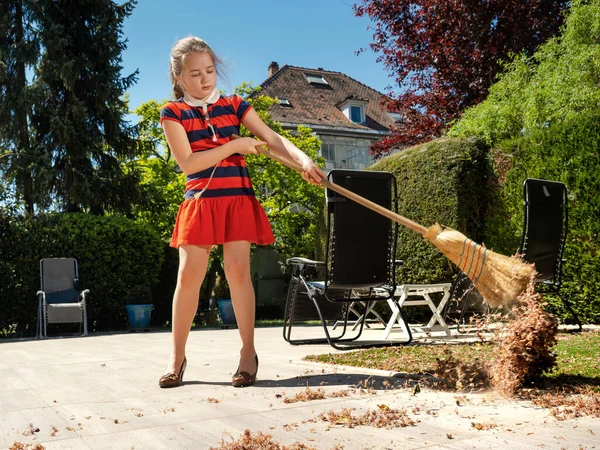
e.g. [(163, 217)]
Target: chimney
[(273, 68)]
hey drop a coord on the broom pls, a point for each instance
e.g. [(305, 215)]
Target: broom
[(498, 278)]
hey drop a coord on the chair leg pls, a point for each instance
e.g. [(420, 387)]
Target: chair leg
[(84, 317), (39, 320), (570, 309), (384, 343), (288, 320), (45, 320)]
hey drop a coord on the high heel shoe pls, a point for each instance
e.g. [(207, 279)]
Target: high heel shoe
[(173, 379), (244, 379)]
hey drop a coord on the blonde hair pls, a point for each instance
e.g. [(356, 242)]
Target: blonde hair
[(182, 48)]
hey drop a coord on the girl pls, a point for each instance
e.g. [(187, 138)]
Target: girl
[(219, 205)]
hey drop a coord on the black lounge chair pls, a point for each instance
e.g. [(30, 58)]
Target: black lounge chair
[(359, 267)]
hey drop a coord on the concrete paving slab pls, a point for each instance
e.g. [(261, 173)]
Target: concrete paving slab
[(101, 392), (67, 444), (20, 399), (11, 381)]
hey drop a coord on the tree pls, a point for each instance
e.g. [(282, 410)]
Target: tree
[(81, 128), (559, 83), (19, 52), (445, 54)]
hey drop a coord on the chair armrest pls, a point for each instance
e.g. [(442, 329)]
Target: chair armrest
[(84, 293), (297, 261)]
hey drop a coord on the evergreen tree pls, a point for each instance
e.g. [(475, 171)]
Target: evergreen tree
[(81, 122), (19, 51)]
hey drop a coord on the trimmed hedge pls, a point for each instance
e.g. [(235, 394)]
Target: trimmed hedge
[(116, 257), (441, 181)]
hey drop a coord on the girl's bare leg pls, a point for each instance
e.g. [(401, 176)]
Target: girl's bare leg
[(193, 261), (237, 270)]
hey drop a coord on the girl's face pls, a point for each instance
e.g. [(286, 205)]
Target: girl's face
[(199, 75)]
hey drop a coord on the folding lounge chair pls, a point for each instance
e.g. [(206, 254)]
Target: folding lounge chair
[(545, 224), (359, 266), (60, 299), (545, 228)]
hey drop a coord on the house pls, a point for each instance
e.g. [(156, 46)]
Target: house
[(345, 114)]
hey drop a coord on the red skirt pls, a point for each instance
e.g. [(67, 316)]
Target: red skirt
[(216, 220)]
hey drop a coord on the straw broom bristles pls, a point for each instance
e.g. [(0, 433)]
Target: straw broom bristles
[(498, 278)]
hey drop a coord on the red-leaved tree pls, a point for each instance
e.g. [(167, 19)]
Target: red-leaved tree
[(445, 54)]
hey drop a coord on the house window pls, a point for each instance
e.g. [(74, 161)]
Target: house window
[(285, 102), (396, 117), (354, 110), (328, 152), (356, 114), (316, 80)]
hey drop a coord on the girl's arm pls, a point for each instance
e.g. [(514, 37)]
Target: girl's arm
[(280, 145), (191, 162)]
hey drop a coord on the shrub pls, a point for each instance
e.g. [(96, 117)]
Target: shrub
[(440, 181), (114, 254), (162, 293)]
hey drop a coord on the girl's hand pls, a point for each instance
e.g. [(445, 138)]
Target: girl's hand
[(247, 146), (312, 173)]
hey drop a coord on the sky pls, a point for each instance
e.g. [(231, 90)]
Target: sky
[(248, 35)]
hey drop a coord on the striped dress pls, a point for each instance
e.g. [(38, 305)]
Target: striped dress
[(227, 209)]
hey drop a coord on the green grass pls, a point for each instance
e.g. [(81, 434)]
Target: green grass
[(578, 358), (578, 361), (416, 359)]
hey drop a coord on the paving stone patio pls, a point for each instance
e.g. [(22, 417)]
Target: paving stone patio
[(100, 392)]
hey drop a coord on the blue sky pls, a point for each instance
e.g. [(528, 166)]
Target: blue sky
[(248, 35)]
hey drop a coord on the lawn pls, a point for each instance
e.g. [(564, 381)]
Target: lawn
[(578, 359)]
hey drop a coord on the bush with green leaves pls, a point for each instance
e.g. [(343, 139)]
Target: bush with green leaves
[(440, 181), (115, 256)]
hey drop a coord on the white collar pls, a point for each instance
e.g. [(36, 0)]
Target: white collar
[(212, 98)]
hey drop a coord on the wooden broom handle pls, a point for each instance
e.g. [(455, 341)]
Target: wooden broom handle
[(343, 191)]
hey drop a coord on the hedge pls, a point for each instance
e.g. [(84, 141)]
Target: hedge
[(440, 181), (116, 257)]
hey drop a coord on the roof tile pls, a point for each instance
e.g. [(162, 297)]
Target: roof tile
[(316, 104)]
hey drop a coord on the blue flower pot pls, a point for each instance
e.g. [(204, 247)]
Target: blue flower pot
[(139, 315), (226, 311)]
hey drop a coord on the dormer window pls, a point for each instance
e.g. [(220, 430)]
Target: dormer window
[(356, 114), (396, 117), (285, 102), (354, 110), (316, 80)]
